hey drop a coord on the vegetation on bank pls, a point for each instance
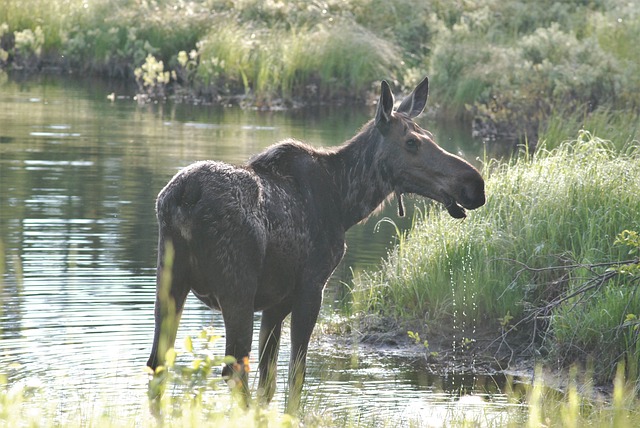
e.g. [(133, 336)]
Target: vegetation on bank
[(551, 255), (508, 64)]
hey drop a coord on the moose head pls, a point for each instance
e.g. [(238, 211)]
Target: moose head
[(417, 164)]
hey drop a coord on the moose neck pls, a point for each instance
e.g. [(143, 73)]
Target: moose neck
[(360, 175)]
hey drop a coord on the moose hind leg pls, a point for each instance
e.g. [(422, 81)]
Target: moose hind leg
[(238, 323), (270, 330), (172, 288)]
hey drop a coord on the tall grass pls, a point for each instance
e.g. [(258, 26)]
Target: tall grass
[(334, 59), (555, 208), (266, 49), (622, 127), (53, 17)]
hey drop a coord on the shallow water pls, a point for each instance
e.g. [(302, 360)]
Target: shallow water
[(78, 179)]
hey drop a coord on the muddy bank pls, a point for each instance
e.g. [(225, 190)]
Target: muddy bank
[(484, 355)]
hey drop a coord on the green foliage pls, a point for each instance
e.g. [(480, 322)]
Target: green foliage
[(621, 126), (28, 42), (631, 239), (589, 331), (556, 208), (415, 336), (509, 63), (192, 379), (513, 63), (336, 58)]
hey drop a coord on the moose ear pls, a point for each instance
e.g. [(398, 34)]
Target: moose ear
[(414, 104), (385, 108)]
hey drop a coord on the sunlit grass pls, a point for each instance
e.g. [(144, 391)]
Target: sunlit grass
[(54, 17), (512, 63), (558, 207), (622, 127), (340, 58), (187, 404)]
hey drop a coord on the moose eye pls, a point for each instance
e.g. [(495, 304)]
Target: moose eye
[(411, 144)]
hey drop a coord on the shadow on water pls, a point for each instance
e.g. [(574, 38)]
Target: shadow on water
[(79, 176)]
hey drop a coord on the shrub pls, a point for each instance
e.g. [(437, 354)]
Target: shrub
[(512, 64)]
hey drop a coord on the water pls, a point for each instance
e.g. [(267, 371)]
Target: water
[(78, 179)]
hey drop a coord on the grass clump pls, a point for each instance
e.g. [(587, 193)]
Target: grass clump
[(621, 126), (549, 218), (323, 61), (267, 50)]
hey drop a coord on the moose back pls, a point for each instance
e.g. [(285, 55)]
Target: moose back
[(266, 236)]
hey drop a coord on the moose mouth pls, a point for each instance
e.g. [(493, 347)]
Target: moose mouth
[(455, 210)]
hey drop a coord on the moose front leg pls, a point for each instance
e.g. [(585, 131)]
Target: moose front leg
[(303, 319), (168, 310)]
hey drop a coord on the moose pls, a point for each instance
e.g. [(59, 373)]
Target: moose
[(266, 236)]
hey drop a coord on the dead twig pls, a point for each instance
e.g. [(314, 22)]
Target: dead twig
[(583, 293)]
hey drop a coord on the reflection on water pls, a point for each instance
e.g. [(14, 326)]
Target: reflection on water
[(78, 179)]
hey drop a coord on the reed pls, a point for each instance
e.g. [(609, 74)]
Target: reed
[(321, 62)]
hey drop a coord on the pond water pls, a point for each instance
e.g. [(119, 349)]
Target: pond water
[(78, 178)]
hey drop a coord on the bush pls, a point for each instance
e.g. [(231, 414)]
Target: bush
[(508, 64), (513, 64)]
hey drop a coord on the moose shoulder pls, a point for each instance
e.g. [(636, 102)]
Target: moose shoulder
[(266, 236)]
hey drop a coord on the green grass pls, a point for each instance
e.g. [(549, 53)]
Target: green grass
[(263, 49), (622, 127), (515, 64), (54, 17), (324, 61), (556, 208)]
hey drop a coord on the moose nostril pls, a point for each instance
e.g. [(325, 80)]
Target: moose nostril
[(472, 195)]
